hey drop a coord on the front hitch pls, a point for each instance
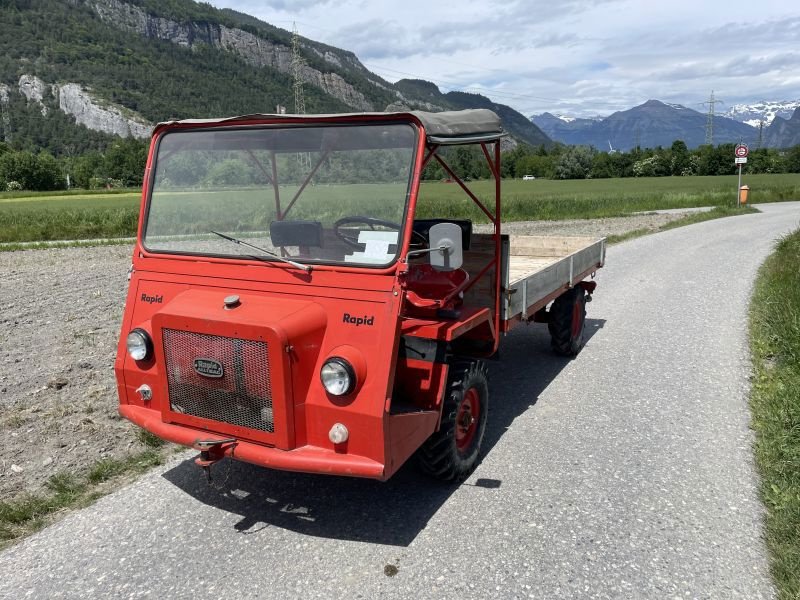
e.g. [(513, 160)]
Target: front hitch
[(211, 452)]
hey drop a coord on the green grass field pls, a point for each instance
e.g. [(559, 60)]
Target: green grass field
[(775, 402), (102, 214)]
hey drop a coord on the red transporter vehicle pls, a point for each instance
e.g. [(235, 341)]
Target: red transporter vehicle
[(287, 309)]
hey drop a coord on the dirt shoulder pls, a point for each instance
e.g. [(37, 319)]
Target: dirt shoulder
[(59, 325)]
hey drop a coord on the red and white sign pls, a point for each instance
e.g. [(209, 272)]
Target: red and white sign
[(741, 151)]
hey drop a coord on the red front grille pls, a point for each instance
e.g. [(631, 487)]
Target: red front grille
[(219, 378)]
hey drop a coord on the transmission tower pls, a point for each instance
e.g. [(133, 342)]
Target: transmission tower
[(760, 133), (711, 102), (297, 83), (6, 124), (5, 118)]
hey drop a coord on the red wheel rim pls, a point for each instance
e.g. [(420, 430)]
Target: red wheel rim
[(577, 318), (469, 412)]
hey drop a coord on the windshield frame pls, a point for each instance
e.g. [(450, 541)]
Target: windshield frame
[(406, 222)]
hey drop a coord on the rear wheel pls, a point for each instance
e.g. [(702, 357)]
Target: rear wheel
[(451, 453), (568, 321)]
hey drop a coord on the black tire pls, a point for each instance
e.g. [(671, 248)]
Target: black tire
[(451, 453), (566, 334)]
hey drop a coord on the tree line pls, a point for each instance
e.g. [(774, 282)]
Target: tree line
[(121, 164), (584, 162)]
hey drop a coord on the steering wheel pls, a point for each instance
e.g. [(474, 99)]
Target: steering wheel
[(351, 238)]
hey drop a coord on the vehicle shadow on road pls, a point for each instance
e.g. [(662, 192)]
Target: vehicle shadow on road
[(393, 512)]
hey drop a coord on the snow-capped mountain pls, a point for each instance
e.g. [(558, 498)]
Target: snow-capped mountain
[(766, 111), (651, 124)]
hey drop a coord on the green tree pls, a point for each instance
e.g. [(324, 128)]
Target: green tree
[(574, 163), (679, 163), (792, 159), (125, 160), (32, 172)]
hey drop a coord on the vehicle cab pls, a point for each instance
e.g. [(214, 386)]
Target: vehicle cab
[(285, 307)]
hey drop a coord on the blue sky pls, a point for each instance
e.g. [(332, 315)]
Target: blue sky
[(577, 57)]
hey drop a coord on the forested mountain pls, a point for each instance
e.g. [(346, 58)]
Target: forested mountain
[(76, 74)]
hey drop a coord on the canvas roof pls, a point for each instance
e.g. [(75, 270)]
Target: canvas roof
[(449, 127)]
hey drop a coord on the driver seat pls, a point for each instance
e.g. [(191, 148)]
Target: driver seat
[(427, 288)]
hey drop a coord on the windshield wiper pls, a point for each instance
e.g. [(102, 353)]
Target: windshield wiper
[(306, 268)]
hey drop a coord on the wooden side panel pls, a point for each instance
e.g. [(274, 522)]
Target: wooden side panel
[(481, 252)]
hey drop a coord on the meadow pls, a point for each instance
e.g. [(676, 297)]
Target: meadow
[(90, 215)]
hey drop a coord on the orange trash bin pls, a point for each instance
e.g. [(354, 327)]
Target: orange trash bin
[(743, 192)]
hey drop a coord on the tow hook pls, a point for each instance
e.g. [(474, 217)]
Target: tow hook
[(211, 452), (588, 287)]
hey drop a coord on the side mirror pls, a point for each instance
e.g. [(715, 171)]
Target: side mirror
[(446, 251)]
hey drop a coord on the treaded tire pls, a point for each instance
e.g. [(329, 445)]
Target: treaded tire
[(451, 453), (566, 335)]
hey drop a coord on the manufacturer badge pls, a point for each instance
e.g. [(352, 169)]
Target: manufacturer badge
[(208, 368)]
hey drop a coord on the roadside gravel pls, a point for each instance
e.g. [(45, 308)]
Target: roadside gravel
[(60, 313), (588, 227)]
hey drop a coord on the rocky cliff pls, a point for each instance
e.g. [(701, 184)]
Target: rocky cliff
[(34, 90), (88, 110), (251, 48), (75, 101)]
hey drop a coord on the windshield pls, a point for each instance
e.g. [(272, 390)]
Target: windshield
[(325, 194)]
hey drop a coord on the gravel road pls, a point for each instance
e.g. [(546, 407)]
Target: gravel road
[(626, 472)]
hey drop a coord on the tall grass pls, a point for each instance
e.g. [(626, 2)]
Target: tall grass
[(775, 401), (102, 215)]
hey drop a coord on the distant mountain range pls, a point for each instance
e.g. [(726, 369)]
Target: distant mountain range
[(656, 123), (761, 112), (76, 75)]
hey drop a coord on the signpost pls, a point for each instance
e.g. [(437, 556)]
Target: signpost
[(740, 152)]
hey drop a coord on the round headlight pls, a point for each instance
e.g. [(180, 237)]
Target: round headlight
[(338, 376), (139, 344)]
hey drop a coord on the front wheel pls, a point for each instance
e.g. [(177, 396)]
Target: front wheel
[(451, 453), (567, 322)]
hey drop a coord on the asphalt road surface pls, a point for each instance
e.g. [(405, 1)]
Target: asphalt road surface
[(626, 473)]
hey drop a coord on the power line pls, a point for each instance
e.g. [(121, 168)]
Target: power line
[(4, 116), (710, 119), (297, 82)]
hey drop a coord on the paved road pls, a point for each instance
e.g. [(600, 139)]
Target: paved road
[(626, 473)]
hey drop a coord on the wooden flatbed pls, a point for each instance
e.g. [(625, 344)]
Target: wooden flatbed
[(536, 269)]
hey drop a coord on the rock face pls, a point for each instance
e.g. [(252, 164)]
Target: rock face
[(75, 101), (34, 90), (4, 89), (251, 48)]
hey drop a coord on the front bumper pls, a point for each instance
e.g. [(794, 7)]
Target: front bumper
[(306, 459)]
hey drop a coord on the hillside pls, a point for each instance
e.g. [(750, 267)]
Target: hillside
[(74, 75), (784, 133), (648, 125)]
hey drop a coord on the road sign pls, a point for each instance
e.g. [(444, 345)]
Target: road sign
[(740, 160), (741, 151)]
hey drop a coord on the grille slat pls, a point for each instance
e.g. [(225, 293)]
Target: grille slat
[(242, 396)]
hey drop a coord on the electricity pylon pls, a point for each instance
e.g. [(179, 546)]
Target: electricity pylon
[(711, 103)]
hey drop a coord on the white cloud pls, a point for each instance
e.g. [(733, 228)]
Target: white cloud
[(581, 57)]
